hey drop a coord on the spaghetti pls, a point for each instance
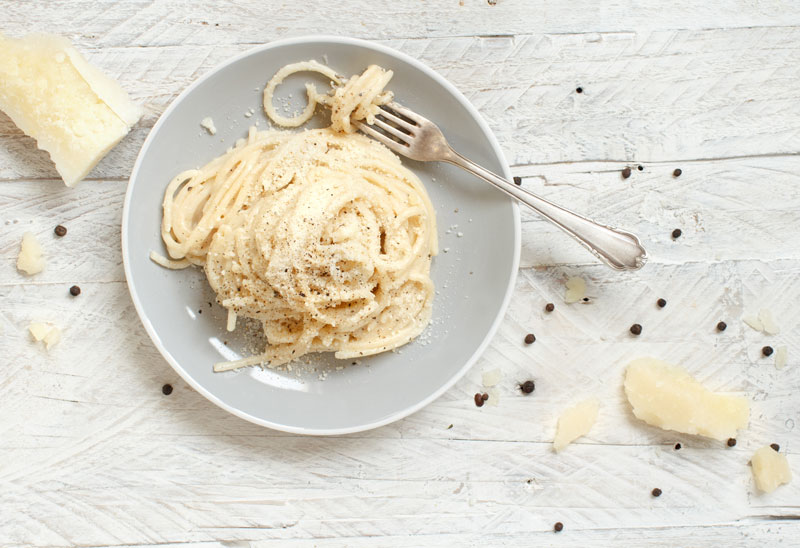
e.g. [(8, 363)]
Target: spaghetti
[(322, 235)]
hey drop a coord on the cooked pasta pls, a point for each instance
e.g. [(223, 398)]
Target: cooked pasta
[(321, 235)]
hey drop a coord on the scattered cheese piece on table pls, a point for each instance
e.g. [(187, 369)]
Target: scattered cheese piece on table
[(767, 322), (74, 111), (38, 330), (575, 422), (753, 322), (49, 334), (770, 469), (53, 337), (781, 357), (492, 378), (30, 259), (666, 396), (576, 290)]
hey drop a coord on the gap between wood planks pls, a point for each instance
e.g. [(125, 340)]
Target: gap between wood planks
[(620, 163)]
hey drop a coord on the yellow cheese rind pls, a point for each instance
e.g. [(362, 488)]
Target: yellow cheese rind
[(73, 111), (575, 422), (770, 469), (666, 396), (31, 257)]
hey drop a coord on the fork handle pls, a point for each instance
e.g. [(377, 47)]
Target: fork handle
[(618, 249)]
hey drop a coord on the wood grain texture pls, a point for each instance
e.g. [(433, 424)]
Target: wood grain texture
[(93, 454)]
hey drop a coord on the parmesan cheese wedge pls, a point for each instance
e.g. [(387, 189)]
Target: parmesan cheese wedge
[(74, 111), (770, 469), (666, 396), (575, 422), (30, 259)]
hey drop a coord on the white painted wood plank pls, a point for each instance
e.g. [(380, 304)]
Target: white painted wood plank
[(94, 454), (647, 97), (162, 22)]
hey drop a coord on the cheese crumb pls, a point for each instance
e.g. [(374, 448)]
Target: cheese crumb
[(575, 422), (576, 290), (753, 321), (666, 396), (75, 112), (781, 357), (208, 124), (770, 469), (49, 334), (30, 259), (492, 378), (38, 330), (769, 325)]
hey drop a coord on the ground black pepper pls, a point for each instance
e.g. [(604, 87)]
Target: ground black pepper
[(767, 351), (530, 338), (74, 290), (60, 230), (636, 329)]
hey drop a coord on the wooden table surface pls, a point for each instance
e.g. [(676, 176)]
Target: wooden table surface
[(92, 453)]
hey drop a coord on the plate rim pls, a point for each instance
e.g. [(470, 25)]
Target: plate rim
[(400, 414)]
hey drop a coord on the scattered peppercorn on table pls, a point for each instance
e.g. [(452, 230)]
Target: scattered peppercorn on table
[(677, 123)]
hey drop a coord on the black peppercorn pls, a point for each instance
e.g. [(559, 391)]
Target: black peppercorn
[(74, 290), (626, 173), (676, 233), (661, 303), (527, 387), (636, 329), (530, 338), (767, 351), (722, 326), (558, 527), (731, 442), (166, 389), (550, 307), (775, 447), (60, 230), (677, 173), (656, 492), (518, 181)]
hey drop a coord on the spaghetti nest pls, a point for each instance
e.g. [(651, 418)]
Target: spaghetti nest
[(321, 235)]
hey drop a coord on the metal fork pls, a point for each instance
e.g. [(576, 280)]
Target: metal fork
[(418, 138)]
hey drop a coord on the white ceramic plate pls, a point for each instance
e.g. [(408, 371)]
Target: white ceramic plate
[(474, 273)]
